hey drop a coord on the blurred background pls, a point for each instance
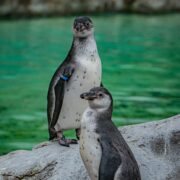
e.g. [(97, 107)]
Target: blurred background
[(138, 42)]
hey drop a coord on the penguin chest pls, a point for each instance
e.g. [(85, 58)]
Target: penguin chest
[(90, 148), (86, 76)]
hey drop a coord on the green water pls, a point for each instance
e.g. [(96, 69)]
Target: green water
[(141, 68)]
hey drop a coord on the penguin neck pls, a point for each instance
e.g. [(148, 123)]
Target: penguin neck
[(85, 46), (106, 114), (103, 114)]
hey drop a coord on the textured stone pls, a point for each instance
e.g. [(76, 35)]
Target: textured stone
[(156, 146), (28, 8)]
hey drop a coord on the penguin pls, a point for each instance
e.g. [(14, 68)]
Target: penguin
[(80, 71), (103, 150)]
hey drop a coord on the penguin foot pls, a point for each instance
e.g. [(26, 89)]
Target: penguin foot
[(63, 142), (72, 141), (66, 142)]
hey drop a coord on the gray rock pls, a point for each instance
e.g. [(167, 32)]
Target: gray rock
[(156, 146), (153, 6), (29, 8)]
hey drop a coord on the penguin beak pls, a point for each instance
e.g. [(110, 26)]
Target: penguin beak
[(79, 27), (88, 96)]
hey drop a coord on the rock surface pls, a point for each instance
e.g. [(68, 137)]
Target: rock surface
[(28, 8), (156, 146)]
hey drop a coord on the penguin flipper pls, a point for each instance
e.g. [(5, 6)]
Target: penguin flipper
[(110, 160), (59, 95)]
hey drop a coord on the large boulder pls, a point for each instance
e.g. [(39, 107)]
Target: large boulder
[(11, 8), (156, 146)]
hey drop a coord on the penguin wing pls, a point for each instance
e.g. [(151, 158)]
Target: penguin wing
[(116, 155), (110, 160), (58, 90)]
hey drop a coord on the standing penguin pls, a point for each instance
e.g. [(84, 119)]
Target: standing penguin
[(104, 151), (80, 71)]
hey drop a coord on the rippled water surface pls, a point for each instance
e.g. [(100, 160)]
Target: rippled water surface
[(141, 68)]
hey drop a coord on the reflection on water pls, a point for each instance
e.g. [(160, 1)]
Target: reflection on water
[(140, 67)]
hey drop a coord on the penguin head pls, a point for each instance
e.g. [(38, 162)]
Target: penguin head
[(82, 27), (99, 98)]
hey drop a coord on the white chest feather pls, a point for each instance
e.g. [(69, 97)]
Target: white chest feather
[(87, 75), (90, 148)]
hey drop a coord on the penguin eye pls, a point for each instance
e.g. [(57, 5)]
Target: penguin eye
[(87, 24), (100, 95)]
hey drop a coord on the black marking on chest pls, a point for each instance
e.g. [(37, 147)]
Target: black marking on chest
[(77, 120)]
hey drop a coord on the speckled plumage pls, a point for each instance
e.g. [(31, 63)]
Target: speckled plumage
[(87, 74), (90, 148)]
